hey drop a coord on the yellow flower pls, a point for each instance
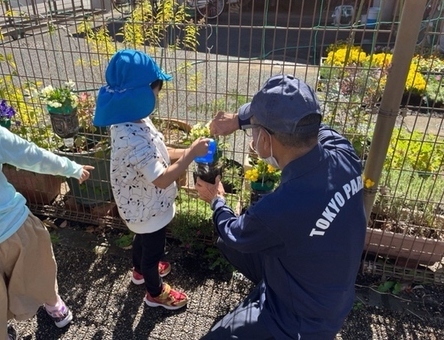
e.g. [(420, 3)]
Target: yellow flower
[(346, 56), (382, 60), (270, 169), (262, 172), (368, 183), (415, 80), (252, 175)]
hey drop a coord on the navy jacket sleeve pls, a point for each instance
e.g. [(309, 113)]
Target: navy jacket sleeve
[(245, 233)]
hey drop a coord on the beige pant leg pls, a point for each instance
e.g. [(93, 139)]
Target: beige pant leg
[(3, 308), (32, 269)]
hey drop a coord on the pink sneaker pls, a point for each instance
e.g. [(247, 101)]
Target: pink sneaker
[(62, 317), (164, 270)]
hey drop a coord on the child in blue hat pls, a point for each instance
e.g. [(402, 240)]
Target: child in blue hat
[(142, 176)]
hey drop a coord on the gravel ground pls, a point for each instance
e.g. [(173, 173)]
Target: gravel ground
[(94, 281)]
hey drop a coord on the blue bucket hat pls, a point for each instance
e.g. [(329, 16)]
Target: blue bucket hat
[(281, 103), (127, 96)]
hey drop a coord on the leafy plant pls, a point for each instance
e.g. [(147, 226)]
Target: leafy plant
[(415, 150), (30, 121), (125, 240), (192, 225), (434, 90), (144, 27), (232, 176), (217, 261), (390, 286)]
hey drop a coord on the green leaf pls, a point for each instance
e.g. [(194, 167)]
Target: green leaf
[(386, 286)]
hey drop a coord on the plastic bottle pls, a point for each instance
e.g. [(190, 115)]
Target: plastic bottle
[(209, 157), (207, 168)]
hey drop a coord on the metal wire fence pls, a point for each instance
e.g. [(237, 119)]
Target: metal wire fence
[(220, 52)]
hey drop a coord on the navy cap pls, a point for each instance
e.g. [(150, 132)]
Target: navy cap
[(281, 103), (128, 95)]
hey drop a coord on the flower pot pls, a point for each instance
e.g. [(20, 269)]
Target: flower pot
[(39, 189), (6, 123), (97, 189), (207, 172), (64, 121), (259, 190), (405, 249)]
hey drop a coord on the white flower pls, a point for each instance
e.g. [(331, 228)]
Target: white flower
[(54, 104), (70, 84), (47, 91)]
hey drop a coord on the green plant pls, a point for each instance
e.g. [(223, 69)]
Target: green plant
[(203, 130), (146, 28), (217, 261), (192, 224), (230, 103), (125, 240), (55, 239), (434, 90), (199, 130), (407, 203), (390, 286), (29, 122), (423, 153), (232, 176)]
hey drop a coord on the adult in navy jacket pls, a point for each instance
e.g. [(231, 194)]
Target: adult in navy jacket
[(301, 244)]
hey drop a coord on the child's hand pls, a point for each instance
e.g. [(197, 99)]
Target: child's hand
[(85, 173), (200, 147)]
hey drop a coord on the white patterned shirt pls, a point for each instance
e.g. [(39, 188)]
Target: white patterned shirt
[(139, 156)]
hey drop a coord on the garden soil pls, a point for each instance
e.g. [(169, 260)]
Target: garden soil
[(94, 280)]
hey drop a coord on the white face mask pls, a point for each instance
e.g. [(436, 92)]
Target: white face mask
[(270, 160)]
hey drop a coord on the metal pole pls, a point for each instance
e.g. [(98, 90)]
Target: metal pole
[(405, 44)]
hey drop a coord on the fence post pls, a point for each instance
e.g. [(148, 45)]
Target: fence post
[(411, 17)]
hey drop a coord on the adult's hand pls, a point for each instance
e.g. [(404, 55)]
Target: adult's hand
[(208, 191), (224, 123)]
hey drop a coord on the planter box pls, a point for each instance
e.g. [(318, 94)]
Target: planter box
[(97, 189), (174, 131), (36, 188), (404, 248)]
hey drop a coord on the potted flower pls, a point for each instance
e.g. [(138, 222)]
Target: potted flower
[(61, 103), (90, 146), (263, 179), (6, 113)]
